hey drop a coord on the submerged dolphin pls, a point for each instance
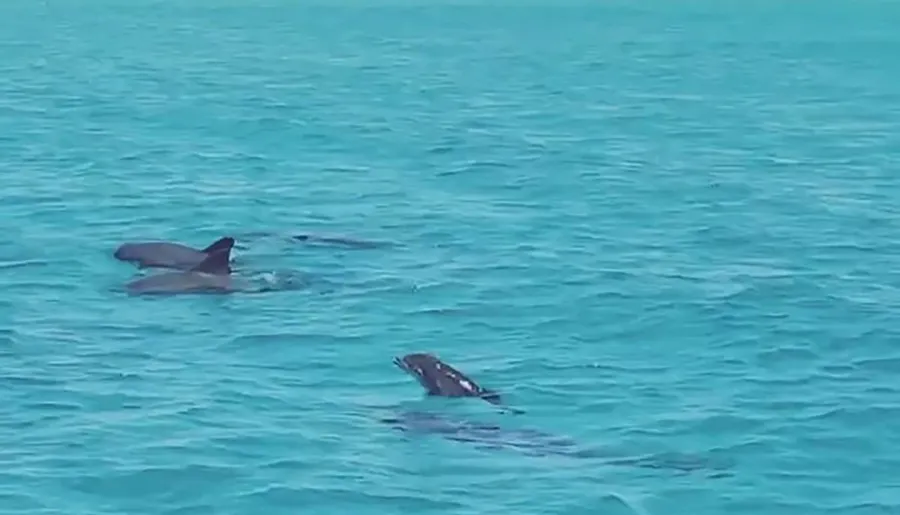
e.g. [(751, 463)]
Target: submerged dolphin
[(161, 254), (483, 435), (342, 241), (535, 443), (336, 240), (212, 275), (440, 379)]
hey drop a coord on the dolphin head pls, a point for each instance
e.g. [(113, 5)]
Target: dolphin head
[(412, 362), (414, 365), (127, 252)]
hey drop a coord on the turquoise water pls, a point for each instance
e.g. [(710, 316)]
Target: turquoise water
[(659, 228)]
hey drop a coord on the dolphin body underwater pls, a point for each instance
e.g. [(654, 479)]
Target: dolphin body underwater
[(212, 275), (163, 254), (316, 239), (441, 380)]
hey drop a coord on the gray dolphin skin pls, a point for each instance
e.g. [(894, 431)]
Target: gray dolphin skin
[(161, 254), (212, 275), (441, 379)]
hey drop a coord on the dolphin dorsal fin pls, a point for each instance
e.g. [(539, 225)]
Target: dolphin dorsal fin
[(221, 244), (217, 263)]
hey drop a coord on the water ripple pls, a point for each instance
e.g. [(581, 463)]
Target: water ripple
[(665, 236)]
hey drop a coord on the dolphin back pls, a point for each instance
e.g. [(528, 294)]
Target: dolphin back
[(164, 254), (441, 379), (180, 282), (217, 263), (224, 243)]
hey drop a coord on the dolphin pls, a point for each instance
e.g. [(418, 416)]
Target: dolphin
[(534, 443), (212, 275), (342, 241), (483, 435), (161, 254), (440, 379), (336, 240)]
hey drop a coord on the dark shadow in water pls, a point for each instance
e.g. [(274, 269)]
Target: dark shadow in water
[(314, 239), (534, 443)]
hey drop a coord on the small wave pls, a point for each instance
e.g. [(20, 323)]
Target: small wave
[(8, 265), (345, 500)]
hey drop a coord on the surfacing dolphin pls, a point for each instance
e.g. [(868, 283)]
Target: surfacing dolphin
[(212, 275), (440, 379), (162, 254)]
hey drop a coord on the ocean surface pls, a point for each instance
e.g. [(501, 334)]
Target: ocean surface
[(668, 232)]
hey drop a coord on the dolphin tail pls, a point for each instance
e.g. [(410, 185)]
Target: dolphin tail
[(221, 244), (216, 263)]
